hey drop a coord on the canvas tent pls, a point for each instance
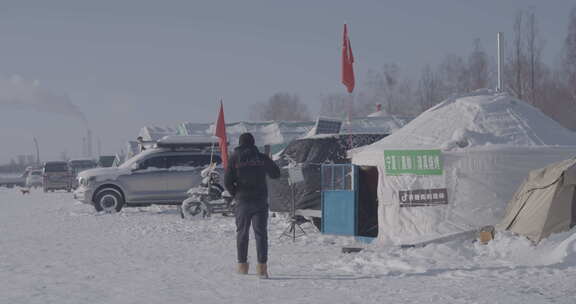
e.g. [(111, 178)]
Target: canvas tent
[(310, 153), (545, 203), (477, 150)]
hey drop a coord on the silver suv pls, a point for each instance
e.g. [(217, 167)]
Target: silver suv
[(160, 175)]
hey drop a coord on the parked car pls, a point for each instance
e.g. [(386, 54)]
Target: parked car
[(159, 175), (106, 161), (78, 165), (56, 176), (34, 178), (10, 181)]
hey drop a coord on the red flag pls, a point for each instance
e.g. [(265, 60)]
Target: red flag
[(221, 134), (347, 61)]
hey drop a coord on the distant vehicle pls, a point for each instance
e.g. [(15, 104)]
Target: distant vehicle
[(159, 175), (56, 176), (34, 178), (78, 165), (106, 161), (15, 180)]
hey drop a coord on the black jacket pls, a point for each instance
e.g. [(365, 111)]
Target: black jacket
[(245, 177)]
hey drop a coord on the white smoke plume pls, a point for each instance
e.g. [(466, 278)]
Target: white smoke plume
[(18, 92)]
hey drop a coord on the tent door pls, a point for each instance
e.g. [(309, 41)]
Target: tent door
[(367, 201), (339, 199)]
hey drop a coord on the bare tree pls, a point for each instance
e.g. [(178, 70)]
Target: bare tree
[(429, 87), (387, 87), (519, 57), (537, 70), (337, 106), (532, 54), (280, 106), (569, 57), (517, 67), (478, 67), (454, 77)]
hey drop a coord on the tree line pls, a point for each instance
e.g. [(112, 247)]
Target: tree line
[(551, 88)]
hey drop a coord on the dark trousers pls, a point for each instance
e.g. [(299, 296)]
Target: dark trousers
[(258, 218)]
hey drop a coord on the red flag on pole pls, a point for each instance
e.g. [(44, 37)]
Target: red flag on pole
[(221, 134), (347, 61)]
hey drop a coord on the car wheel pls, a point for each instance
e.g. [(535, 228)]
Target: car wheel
[(109, 201), (192, 208)]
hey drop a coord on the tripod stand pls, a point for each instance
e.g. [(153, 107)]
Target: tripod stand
[(295, 221), (294, 176)]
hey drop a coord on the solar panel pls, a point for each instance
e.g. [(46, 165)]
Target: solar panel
[(328, 126)]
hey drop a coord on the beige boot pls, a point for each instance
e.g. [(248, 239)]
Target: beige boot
[(262, 271), (242, 268)]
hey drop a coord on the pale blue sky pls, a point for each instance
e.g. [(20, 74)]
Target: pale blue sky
[(127, 64)]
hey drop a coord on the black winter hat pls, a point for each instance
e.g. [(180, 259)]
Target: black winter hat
[(246, 139)]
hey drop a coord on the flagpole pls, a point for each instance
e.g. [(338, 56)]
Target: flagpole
[(350, 106), (212, 153), (348, 70), (220, 132), (212, 148)]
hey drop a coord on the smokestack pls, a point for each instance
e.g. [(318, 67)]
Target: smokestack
[(83, 146), (89, 143), (99, 145), (37, 152)]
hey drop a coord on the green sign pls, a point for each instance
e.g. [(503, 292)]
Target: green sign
[(419, 162)]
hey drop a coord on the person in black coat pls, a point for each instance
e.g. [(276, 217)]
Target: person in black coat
[(245, 179)]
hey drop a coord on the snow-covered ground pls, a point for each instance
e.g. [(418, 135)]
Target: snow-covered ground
[(55, 250)]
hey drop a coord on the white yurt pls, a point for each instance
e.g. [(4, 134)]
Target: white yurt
[(455, 166)]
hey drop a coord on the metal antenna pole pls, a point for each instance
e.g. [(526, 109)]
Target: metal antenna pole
[(500, 38)]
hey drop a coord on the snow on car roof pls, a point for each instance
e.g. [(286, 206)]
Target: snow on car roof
[(187, 140)]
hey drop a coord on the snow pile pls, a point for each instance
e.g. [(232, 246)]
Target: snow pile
[(488, 143), (506, 251), (380, 113)]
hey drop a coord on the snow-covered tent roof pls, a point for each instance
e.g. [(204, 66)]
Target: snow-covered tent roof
[(154, 133), (487, 143), (274, 133), (379, 113), (265, 133), (191, 128), (385, 124), (481, 120)]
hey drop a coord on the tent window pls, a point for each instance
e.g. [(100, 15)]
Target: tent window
[(327, 180), (348, 178), (337, 177)]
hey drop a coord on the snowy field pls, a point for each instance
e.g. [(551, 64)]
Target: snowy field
[(55, 250)]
